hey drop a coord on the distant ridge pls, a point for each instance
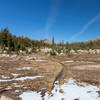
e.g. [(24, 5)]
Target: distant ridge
[(94, 40), (48, 41)]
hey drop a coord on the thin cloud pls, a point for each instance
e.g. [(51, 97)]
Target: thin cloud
[(52, 17), (85, 27)]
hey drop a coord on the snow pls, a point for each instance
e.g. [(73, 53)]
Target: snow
[(30, 58), (17, 91), (28, 77), (15, 75), (5, 77), (31, 96), (34, 58), (8, 88), (24, 68), (71, 91), (69, 61), (22, 78), (45, 50)]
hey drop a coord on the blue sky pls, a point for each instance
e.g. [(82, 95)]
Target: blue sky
[(68, 20)]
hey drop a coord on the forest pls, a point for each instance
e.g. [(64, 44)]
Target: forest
[(11, 42)]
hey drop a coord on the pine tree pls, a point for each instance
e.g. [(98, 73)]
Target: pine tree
[(53, 41), (4, 34), (9, 42)]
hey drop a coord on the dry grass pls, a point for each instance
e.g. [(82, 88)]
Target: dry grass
[(81, 69), (48, 69), (85, 68)]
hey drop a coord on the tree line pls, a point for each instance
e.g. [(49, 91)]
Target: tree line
[(11, 42), (15, 43)]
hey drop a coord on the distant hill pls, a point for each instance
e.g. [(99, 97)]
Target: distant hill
[(48, 41), (93, 40), (96, 39)]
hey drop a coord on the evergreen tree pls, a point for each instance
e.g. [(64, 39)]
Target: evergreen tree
[(4, 34), (9, 42), (53, 41)]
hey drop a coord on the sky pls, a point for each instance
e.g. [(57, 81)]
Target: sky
[(68, 20)]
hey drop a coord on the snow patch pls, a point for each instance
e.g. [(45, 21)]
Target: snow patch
[(24, 68), (30, 96), (15, 75), (22, 78), (28, 77), (5, 77), (71, 91), (69, 61), (35, 58)]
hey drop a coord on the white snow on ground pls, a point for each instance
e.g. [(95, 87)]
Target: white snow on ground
[(71, 91), (22, 78), (31, 96), (27, 77), (5, 76), (15, 75), (24, 68), (30, 58), (18, 85), (69, 61), (17, 91), (35, 58)]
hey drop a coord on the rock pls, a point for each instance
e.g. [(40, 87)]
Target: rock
[(5, 55), (31, 58), (62, 99), (14, 56), (30, 50), (23, 52), (48, 41), (98, 93), (4, 51), (82, 51), (45, 50), (61, 91), (76, 99), (98, 51), (73, 51)]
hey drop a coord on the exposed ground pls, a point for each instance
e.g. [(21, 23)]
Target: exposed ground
[(38, 72), (28, 73), (85, 68)]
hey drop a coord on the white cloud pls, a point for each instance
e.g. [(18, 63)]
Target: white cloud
[(52, 17), (85, 27)]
